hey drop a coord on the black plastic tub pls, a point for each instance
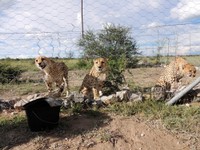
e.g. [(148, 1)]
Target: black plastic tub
[(41, 116)]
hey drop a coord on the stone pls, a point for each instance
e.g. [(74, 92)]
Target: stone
[(109, 99), (74, 97), (136, 97), (5, 105), (123, 95), (19, 105)]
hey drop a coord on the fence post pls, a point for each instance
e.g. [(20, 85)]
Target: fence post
[(183, 92)]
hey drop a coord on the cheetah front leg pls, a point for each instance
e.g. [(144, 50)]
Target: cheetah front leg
[(60, 87), (48, 83), (49, 86), (95, 93), (86, 93), (66, 86)]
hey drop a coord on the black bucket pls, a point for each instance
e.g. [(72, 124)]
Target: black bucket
[(41, 116)]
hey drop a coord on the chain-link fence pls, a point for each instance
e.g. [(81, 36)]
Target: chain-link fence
[(51, 28)]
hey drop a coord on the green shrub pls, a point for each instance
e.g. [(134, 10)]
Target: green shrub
[(8, 73), (117, 67)]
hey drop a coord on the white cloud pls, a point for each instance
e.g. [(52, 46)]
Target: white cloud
[(62, 15), (186, 9), (52, 16), (154, 3), (151, 25)]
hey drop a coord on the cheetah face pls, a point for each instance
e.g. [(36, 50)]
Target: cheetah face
[(100, 64), (189, 70), (41, 62)]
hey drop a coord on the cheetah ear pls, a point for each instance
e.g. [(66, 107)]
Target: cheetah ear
[(43, 58)]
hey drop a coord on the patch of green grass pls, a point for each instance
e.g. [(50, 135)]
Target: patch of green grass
[(72, 64), (23, 88), (165, 60), (180, 118), (105, 136), (25, 64), (74, 109), (83, 64), (147, 108), (29, 64), (12, 122), (109, 136)]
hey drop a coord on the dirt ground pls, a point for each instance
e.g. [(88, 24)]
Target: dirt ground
[(105, 132), (101, 131)]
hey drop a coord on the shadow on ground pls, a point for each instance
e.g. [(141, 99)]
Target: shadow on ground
[(13, 134)]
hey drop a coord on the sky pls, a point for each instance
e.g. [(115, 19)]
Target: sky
[(52, 28)]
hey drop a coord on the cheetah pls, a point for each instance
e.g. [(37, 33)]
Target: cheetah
[(93, 81), (175, 71), (54, 72), (171, 77)]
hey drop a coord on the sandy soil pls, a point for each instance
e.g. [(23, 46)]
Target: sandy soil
[(105, 132)]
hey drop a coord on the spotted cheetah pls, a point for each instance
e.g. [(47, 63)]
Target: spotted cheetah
[(54, 72), (93, 82), (175, 71), (171, 76)]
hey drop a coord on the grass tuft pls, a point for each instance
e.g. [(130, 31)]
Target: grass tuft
[(7, 124), (180, 118)]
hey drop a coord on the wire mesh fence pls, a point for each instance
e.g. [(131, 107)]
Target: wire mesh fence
[(52, 28)]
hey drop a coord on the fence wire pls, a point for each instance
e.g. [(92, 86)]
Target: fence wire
[(52, 28)]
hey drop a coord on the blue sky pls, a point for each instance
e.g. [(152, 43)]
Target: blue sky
[(29, 28)]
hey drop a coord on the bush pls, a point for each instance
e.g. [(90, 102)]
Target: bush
[(115, 43), (8, 73), (116, 69)]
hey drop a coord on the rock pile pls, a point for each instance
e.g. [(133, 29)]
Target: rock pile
[(119, 96), (124, 95)]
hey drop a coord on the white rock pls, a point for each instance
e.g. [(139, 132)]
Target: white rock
[(32, 96), (109, 99), (20, 104), (123, 95), (188, 105), (135, 97)]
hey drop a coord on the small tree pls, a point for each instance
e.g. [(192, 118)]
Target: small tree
[(114, 43)]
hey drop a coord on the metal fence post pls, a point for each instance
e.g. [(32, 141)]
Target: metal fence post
[(183, 92)]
